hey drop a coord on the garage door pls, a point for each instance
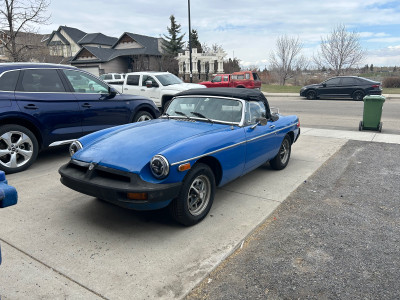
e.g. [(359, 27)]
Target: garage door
[(93, 70)]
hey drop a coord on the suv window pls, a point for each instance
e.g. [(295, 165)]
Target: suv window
[(247, 75), (132, 80), (117, 76), (8, 81), (42, 81), (333, 81), (255, 76), (226, 78), (84, 83), (108, 77)]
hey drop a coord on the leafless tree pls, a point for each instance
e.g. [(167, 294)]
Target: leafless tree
[(341, 50), (287, 60), (21, 16)]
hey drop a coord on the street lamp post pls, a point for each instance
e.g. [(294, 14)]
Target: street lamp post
[(190, 46)]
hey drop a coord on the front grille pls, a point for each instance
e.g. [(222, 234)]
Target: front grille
[(112, 176)]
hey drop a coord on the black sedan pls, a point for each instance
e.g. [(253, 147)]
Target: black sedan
[(342, 87)]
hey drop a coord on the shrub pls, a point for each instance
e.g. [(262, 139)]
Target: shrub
[(391, 82), (313, 81)]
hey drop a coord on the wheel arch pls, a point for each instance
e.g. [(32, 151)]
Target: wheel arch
[(25, 123), (214, 165), (142, 108), (165, 99)]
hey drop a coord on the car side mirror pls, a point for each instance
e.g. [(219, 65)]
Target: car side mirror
[(149, 83), (260, 122), (111, 92)]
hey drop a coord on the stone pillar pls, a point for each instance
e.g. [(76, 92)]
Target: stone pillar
[(211, 69), (220, 66), (180, 67), (202, 67), (194, 65), (187, 66)]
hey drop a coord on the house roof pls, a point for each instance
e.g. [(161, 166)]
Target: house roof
[(74, 33), (148, 42), (102, 54), (97, 38)]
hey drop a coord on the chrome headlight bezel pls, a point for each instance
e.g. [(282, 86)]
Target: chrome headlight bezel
[(159, 166), (75, 147)]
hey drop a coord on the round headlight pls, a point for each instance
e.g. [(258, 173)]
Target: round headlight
[(159, 167), (74, 147)]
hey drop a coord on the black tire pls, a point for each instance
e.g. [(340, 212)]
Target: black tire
[(281, 160), (188, 208), (311, 95), (358, 95), (19, 148), (142, 116)]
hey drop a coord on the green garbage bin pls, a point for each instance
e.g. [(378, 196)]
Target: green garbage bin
[(372, 113)]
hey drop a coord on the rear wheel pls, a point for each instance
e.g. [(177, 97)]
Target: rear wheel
[(311, 95), (142, 116), (196, 196), (358, 95), (18, 148), (281, 160)]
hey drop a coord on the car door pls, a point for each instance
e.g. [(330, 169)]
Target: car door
[(262, 142), (152, 92), (41, 94), (331, 87), (349, 85), (99, 111), (132, 85)]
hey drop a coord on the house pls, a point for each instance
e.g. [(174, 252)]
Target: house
[(100, 54)]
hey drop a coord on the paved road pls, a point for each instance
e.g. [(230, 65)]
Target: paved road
[(336, 114), (336, 237)]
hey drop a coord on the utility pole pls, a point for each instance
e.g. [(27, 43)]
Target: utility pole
[(190, 46)]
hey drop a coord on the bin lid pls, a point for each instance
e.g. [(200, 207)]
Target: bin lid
[(374, 98)]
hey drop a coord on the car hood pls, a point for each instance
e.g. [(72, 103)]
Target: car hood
[(131, 147), (184, 86), (311, 86)]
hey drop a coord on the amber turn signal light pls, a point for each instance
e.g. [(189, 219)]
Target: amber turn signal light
[(184, 167), (137, 196)]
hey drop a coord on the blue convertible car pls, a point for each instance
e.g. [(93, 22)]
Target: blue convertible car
[(206, 138)]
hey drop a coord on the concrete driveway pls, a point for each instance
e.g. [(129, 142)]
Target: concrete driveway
[(59, 244)]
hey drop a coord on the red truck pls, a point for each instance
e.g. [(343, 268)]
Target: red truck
[(245, 79)]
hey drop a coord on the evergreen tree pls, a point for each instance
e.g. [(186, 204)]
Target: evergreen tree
[(371, 68), (172, 43), (194, 39)]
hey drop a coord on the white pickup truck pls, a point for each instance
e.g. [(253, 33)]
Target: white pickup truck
[(158, 86)]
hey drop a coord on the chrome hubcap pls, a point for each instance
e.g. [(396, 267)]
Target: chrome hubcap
[(16, 149), (199, 195)]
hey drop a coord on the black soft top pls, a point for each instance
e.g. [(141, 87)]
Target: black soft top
[(245, 94)]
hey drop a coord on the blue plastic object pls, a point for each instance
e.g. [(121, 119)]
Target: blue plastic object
[(8, 194)]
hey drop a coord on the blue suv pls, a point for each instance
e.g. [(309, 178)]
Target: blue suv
[(44, 105)]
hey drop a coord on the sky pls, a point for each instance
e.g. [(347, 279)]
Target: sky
[(246, 29)]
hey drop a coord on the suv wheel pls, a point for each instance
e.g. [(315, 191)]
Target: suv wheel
[(142, 116), (18, 148)]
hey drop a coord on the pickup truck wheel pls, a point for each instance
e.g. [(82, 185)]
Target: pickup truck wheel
[(196, 196), (281, 160), (142, 116), (18, 148)]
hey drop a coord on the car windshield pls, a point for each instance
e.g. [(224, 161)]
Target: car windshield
[(206, 108), (168, 79)]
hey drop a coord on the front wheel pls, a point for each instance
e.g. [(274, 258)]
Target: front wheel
[(142, 116), (281, 160), (311, 95), (196, 196), (18, 148)]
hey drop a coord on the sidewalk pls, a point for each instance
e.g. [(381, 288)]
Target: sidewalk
[(334, 237), (387, 96)]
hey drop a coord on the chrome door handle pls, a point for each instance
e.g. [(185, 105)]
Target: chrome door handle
[(272, 126)]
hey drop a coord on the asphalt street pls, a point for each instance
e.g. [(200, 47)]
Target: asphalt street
[(337, 236)]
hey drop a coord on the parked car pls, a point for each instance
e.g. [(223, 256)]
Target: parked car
[(113, 78), (245, 79), (205, 139), (43, 105), (160, 87), (342, 86)]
